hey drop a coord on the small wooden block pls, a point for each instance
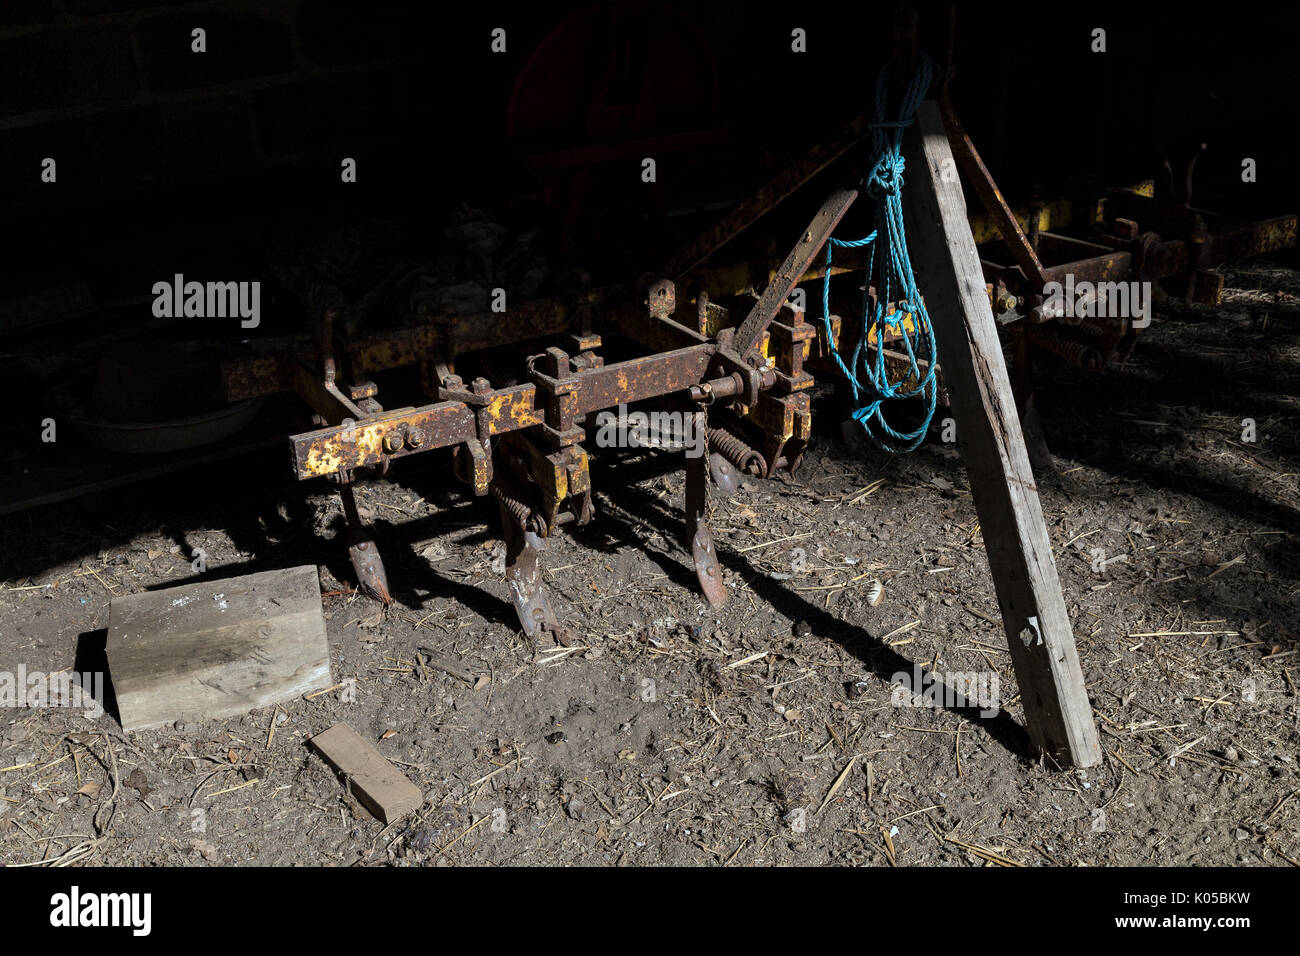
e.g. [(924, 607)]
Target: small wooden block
[(219, 648), (377, 784)]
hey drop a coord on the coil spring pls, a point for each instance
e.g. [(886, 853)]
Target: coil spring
[(1074, 351), (736, 451), (524, 514)]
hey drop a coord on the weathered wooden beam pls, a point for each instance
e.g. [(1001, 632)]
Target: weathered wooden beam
[(1057, 711)]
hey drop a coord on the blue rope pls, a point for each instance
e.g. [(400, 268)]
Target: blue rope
[(871, 381)]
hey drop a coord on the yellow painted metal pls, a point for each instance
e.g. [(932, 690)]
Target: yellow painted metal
[(1053, 217)]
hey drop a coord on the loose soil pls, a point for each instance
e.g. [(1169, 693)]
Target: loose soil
[(764, 733)]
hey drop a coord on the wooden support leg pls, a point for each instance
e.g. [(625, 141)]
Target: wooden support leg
[(1057, 711)]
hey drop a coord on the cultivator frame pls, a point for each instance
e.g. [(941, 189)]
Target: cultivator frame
[(518, 436), (522, 441)]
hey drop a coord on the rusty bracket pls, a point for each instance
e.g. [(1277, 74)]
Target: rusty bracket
[(788, 345), (472, 460)]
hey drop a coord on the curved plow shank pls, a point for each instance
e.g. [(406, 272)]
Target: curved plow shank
[(524, 577), (703, 552), (724, 475), (366, 562)]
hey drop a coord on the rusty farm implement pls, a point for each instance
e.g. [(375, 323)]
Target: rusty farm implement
[(516, 394)]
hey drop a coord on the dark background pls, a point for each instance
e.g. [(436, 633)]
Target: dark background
[(170, 161)]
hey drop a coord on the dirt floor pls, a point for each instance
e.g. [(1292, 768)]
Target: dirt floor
[(764, 733)]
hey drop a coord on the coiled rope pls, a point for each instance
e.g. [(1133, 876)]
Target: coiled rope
[(870, 381)]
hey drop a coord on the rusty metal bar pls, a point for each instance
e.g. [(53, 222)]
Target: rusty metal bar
[(641, 378), (655, 333), (1111, 267), (325, 398), (770, 195), (1252, 239), (434, 339), (373, 439), (511, 409), (264, 374), (750, 333), (442, 338), (990, 195), (342, 447)]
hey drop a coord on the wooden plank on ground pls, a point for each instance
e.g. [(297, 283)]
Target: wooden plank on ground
[(1057, 710), (217, 648), (379, 786)]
